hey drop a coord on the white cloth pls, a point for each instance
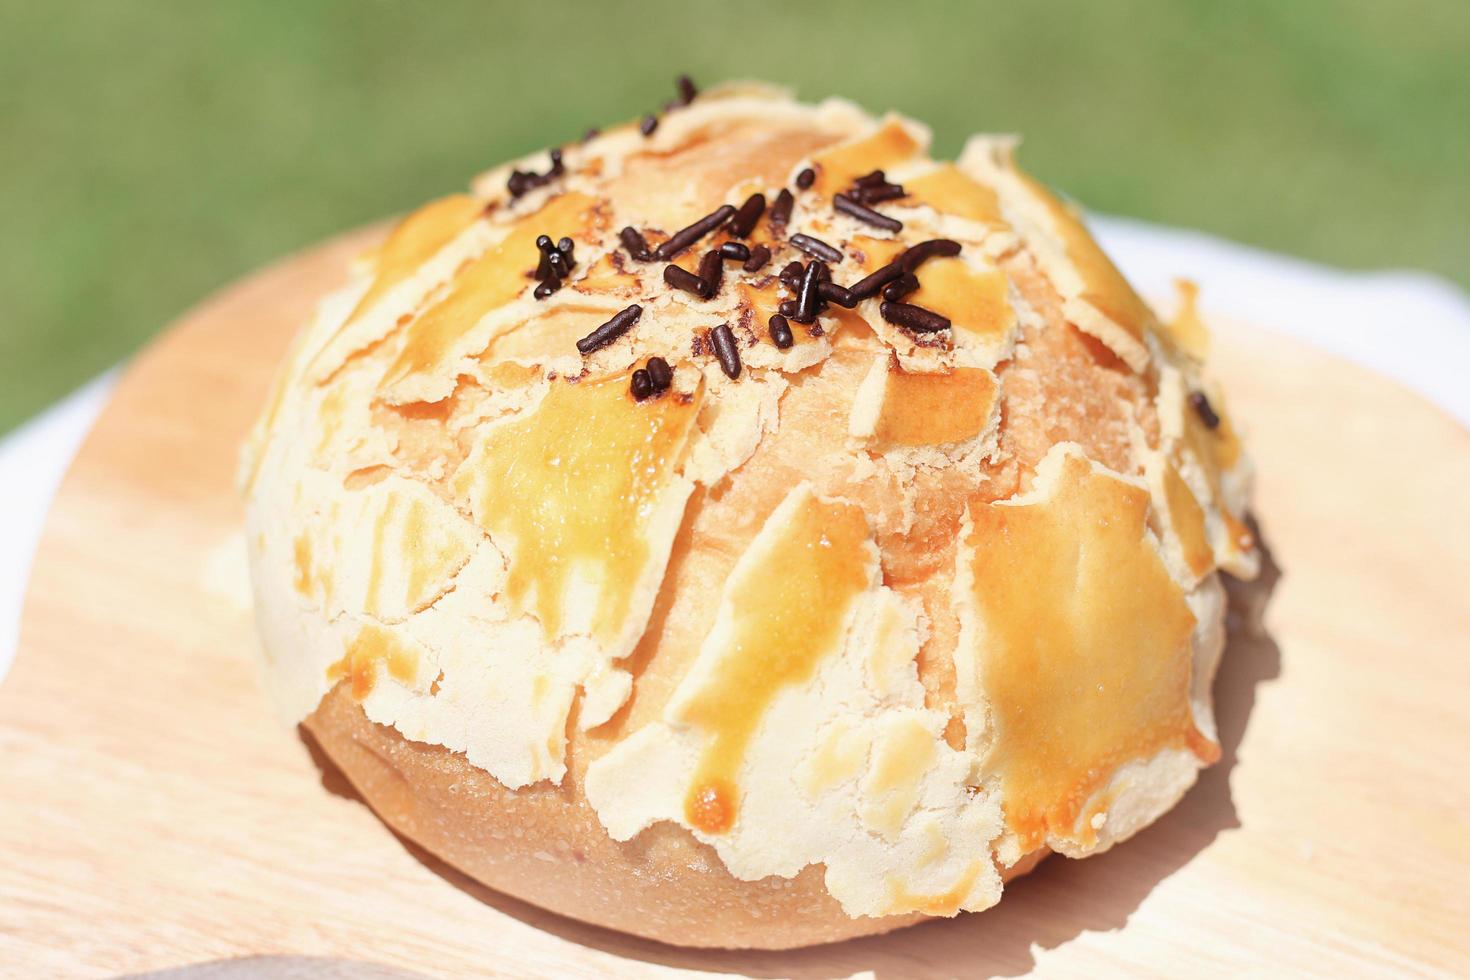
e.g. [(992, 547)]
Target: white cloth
[(1413, 327), (33, 460)]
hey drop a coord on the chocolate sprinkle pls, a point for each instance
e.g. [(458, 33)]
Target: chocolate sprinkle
[(641, 384), (685, 237), (781, 210), (734, 250), (636, 244), (805, 179), (521, 181), (865, 214), (933, 248), (611, 330), (660, 373), (711, 270), (1204, 409), (547, 249), (914, 318), (900, 287), (870, 179), (780, 331), (725, 350), (808, 300), (686, 88), (876, 280), (750, 212), (648, 125), (684, 279), (556, 263), (759, 256), (791, 275), (817, 247), (840, 295), (877, 193)]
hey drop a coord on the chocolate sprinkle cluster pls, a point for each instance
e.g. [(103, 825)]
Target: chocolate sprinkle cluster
[(705, 283), (556, 263), (897, 279), (873, 187), (867, 190), (522, 181), (809, 283), (652, 379), (687, 94), (814, 287)]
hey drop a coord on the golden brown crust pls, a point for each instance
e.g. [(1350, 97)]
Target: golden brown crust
[(640, 695)]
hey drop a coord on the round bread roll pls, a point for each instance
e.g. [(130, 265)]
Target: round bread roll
[(634, 597)]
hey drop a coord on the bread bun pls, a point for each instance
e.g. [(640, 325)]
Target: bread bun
[(628, 599)]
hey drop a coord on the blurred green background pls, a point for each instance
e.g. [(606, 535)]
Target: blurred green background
[(152, 151)]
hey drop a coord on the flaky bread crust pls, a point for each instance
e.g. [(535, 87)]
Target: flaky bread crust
[(872, 624)]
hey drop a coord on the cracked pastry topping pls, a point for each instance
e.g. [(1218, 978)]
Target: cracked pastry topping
[(840, 505)]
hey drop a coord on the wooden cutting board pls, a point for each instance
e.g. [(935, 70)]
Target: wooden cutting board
[(153, 814)]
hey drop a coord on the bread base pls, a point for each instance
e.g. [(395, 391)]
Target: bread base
[(543, 844)]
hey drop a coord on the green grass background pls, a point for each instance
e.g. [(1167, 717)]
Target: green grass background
[(153, 150)]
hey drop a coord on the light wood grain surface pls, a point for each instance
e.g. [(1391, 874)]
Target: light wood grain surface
[(153, 814)]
